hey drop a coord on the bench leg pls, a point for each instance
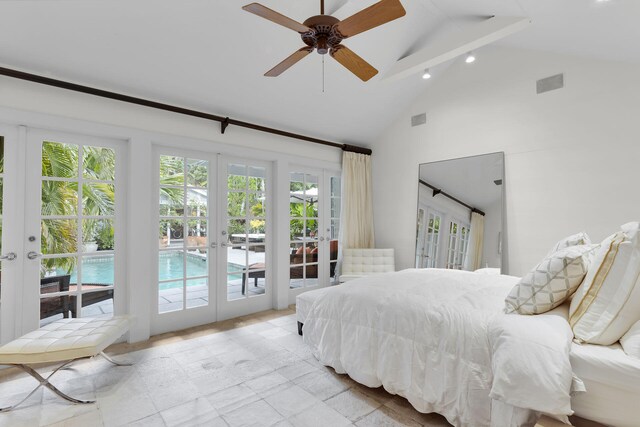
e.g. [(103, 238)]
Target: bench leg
[(44, 382), (300, 328), (109, 359)]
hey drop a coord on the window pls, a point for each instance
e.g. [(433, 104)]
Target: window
[(183, 269), (246, 231), (334, 231), (432, 239), (458, 244), (303, 229), (77, 230)]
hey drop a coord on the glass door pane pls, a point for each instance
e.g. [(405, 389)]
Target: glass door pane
[(77, 223), (334, 226), (303, 229), (183, 258), (245, 235), (432, 240)]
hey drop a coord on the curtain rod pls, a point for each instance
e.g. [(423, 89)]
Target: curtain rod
[(224, 121), (437, 191)]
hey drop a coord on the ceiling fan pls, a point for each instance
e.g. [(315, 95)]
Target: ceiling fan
[(325, 33)]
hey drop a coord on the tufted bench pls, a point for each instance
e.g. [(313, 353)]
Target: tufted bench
[(356, 263), (364, 262), (65, 341)]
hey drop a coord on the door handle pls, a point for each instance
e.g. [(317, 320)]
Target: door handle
[(9, 257), (33, 255)]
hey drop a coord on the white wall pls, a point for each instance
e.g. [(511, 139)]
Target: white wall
[(34, 97), (570, 155)]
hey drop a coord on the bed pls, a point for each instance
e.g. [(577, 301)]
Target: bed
[(612, 382), (395, 330)]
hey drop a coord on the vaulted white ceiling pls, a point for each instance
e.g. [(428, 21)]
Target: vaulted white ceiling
[(211, 55)]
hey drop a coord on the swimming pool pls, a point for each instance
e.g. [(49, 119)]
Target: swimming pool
[(100, 270)]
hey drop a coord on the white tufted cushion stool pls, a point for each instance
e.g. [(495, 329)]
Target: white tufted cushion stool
[(65, 340), (364, 262)]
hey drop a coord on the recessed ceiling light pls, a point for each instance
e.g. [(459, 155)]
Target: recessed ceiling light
[(470, 58), (427, 74)]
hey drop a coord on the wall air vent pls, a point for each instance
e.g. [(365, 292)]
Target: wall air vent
[(550, 83), (419, 119)]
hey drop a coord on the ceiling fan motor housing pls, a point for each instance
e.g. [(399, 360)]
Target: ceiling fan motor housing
[(323, 35)]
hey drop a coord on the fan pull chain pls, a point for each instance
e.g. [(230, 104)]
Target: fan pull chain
[(322, 73)]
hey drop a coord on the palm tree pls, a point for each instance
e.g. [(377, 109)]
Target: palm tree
[(61, 198)]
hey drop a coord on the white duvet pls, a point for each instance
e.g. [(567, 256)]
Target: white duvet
[(440, 339)]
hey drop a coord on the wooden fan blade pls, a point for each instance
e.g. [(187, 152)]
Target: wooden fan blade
[(290, 61), (353, 62), (380, 13), (273, 16)]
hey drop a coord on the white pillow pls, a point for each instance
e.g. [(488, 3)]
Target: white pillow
[(577, 239), (631, 341), (551, 282), (607, 303)]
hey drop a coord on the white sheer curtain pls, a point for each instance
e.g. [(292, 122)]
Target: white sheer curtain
[(356, 218), (473, 260)]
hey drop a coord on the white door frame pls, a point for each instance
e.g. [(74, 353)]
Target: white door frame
[(12, 236), (185, 318), (31, 272), (249, 304), (324, 222)]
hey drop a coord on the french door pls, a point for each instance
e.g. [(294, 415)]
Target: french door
[(74, 229), (214, 238), (458, 244), (62, 231), (10, 236), (245, 236), (314, 223), (428, 239)]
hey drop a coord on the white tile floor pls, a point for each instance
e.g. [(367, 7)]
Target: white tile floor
[(257, 375)]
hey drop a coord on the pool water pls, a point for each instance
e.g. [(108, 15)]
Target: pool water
[(100, 270)]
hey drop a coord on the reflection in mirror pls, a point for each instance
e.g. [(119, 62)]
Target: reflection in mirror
[(460, 213)]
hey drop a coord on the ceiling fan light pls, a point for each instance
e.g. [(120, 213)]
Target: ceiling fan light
[(470, 58), (426, 75)]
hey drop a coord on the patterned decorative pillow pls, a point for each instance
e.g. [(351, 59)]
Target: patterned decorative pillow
[(552, 282), (577, 239)]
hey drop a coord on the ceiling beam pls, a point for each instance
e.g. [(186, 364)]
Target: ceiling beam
[(478, 35)]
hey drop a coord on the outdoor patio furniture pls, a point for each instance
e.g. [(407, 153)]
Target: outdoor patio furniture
[(296, 272), (89, 298), (67, 304), (51, 306)]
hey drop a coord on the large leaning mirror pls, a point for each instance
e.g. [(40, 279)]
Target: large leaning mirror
[(460, 213)]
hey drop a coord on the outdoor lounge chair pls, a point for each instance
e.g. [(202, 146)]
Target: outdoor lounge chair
[(66, 304), (52, 306), (296, 272)]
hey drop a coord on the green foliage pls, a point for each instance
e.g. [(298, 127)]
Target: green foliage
[(105, 237), (297, 224), (61, 198)]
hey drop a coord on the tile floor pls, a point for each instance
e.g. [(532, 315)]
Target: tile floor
[(256, 375), (250, 371)]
